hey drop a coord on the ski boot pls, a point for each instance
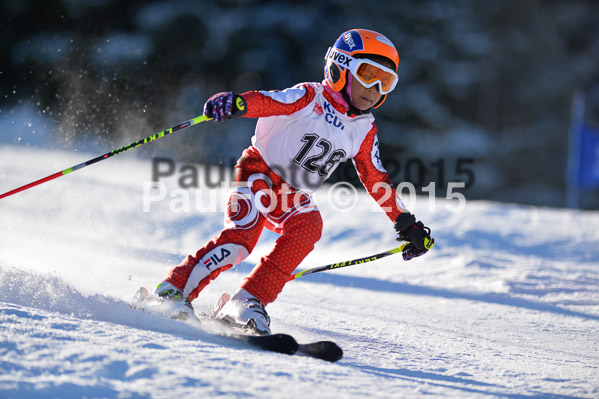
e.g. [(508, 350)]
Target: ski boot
[(177, 305), (243, 311)]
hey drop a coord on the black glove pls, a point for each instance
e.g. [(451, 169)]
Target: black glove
[(419, 236), (225, 105)]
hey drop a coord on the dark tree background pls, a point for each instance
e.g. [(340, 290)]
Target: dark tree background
[(484, 95)]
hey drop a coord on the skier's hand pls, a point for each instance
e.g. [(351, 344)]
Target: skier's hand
[(225, 105), (418, 236)]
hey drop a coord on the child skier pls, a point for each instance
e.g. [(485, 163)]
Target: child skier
[(301, 136)]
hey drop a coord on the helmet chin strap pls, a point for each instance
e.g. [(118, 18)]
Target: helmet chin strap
[(346, 92), (350, 79)]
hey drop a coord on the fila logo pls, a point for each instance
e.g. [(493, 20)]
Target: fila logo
[(215, 259)]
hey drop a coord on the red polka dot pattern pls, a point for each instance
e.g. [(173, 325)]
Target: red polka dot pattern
[(299, 235), (259, 104), (370, 176)]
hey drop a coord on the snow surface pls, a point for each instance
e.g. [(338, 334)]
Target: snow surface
[(505, 305)]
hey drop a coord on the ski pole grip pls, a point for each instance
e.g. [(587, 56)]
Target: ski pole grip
[(239, 105)]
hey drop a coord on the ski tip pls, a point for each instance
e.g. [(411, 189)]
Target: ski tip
[(140, 296), (325, 350)]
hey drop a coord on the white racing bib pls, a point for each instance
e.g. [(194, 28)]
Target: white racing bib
[(305, 147)]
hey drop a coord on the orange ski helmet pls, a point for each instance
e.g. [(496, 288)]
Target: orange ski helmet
[(357, 44)]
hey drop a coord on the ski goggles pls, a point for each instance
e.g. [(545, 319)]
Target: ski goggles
[(368, 72)]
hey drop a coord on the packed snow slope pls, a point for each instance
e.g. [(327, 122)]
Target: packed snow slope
[(505, 305)]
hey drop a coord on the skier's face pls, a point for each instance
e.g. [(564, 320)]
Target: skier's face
[(365, 98)]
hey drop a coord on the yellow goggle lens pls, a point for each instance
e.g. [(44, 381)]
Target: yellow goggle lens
[(369, 73)]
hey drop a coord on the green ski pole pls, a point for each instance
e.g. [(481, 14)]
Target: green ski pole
[(348, 263)]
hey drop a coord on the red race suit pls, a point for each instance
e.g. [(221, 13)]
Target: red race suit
[(301, 136)]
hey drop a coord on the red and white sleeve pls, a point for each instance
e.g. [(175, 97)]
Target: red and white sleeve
[(284, 102), (374, 177)]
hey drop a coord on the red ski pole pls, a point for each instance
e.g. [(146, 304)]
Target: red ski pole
[(148, 139)]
